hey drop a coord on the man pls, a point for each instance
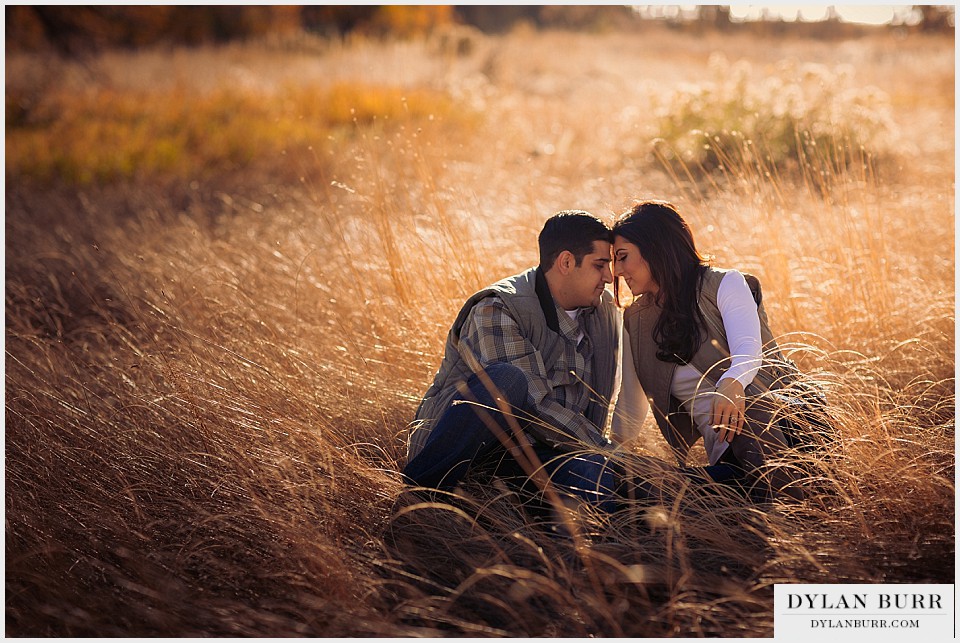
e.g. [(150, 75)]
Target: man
[(528, 372)]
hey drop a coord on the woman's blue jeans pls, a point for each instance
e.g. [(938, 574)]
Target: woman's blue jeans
[(462, 440)]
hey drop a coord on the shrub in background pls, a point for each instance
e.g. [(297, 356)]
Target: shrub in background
[(803, 113)]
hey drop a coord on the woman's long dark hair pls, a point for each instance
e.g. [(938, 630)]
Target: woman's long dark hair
[(666, 243)]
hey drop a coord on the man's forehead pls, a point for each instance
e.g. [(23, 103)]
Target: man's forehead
[(601, 249)]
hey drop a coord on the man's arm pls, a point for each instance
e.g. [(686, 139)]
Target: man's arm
[(491, 335)]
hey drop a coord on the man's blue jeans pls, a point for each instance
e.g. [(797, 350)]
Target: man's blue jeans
[(462, 439)]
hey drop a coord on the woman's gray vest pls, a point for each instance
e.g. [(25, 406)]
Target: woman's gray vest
[(529, 302), (712, 359)]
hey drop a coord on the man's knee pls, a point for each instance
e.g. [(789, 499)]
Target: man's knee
[(592, 469), (507, 381), (590, 476)]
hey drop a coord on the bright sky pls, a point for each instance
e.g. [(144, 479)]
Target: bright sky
[(871, 14)]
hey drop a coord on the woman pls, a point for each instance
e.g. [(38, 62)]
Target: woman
[(698, 347)]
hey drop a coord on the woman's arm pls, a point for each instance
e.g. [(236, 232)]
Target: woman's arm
[(741, 323), (632, 404)]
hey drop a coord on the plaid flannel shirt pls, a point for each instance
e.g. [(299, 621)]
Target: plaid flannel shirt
[(558, 394)]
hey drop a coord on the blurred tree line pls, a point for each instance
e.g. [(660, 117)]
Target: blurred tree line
[(78, 29)]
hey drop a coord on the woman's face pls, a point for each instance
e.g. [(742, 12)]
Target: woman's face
[(630, 264)]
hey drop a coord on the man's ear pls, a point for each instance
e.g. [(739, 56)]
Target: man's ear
[(566, 262)]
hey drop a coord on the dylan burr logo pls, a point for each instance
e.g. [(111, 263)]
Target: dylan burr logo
[(854, 601), (880, 611)]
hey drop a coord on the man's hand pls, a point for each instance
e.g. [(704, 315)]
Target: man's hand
[(728, 409)]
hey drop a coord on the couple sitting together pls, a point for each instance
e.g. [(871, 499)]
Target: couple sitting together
[(531, 362)]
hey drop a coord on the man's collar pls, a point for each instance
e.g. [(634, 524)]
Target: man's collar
[(546, 301)]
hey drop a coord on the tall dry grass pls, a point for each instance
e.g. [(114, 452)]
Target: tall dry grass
[(208, 378)]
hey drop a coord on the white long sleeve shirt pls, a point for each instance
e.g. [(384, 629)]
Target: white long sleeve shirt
[(741, 323)]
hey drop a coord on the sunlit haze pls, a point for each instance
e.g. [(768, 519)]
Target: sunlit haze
[(866, 14)]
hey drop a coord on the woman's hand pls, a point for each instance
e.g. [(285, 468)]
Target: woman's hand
[(728, 408)]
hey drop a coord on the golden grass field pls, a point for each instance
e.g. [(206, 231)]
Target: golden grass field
[(229, 272)]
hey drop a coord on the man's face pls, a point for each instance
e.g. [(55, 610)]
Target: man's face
[(586, 282)]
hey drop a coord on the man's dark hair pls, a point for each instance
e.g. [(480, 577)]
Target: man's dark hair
[(573, 230)]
